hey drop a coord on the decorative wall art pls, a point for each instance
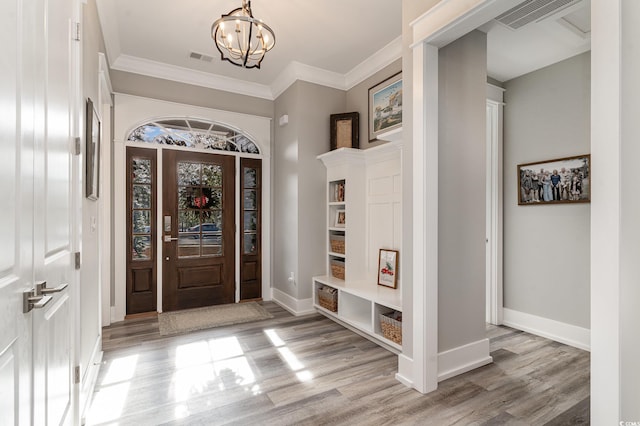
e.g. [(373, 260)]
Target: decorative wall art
[(388, 268), (341, 219), (92, 151), (345, 130), (564, 180), (385, 106)]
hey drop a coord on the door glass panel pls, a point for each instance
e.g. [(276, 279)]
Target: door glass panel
[(199, 210), (188, 174), (141, 247), (141, 170), (249, 199), (250, 221), (211, 175), (141, 221), (250, 243), (250, 177), (141, 196)]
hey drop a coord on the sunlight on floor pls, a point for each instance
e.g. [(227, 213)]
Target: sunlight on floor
[(108, 403), (288, 356)]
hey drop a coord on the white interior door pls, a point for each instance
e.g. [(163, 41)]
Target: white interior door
[(36, 218)]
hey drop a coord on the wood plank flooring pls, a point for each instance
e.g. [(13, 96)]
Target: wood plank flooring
[(311, 371)]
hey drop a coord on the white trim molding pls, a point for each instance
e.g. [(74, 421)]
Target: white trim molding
[(297, 307), (569, 334), (463, 359), (405, 370)]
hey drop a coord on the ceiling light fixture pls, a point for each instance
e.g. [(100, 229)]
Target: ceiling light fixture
[(242, 39)]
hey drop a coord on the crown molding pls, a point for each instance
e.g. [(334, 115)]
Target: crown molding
[(185, 75), (382, 58), (298, 71)]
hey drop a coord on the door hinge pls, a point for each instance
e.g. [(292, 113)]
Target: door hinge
[(77, 259), (76, 374), (78, 146), (76, 31)]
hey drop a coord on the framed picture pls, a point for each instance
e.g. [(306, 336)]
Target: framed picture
[(341, 219), (385, 106), (92, 151), (563, 180), (345, 130), (388, 268)]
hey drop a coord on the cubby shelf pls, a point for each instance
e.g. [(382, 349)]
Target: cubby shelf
[(360, 182)]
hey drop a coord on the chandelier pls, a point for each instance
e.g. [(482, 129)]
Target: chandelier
[(242, 39)]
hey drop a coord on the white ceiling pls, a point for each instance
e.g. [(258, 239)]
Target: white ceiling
[(337, 43)]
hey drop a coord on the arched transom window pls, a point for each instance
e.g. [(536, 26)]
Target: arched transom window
[(194, 134)]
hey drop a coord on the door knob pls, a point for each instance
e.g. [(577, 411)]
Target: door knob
[(31, 300), (41, 288)]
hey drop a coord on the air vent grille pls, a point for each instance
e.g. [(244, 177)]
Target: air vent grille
[(531, 11), (200, 57)]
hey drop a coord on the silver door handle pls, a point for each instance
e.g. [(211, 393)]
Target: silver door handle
[(32, 301), (168, 239), (41, 288)]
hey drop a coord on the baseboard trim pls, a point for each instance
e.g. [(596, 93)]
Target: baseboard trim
[(90, 378), (295, 306), (405, 370), (571, 335), (463, 359)]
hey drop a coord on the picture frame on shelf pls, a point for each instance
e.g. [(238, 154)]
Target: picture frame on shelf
[(385, 106), (557, 181), (341, 218), (388, 268), (92, 152), (345, 130)]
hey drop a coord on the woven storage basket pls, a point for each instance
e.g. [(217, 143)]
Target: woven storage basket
[(337, 244), (328, 298), (391, 325), (337, 269)]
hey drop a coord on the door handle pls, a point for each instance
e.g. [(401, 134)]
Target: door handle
[(41, 288), (168, 239), (31, 300)]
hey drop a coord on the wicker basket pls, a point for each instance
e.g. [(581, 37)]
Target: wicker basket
[(391, 325), (337, 243), (337, 269), (328, 298)]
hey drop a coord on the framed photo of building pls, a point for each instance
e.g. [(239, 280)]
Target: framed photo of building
[(562, 180), (385, 106)]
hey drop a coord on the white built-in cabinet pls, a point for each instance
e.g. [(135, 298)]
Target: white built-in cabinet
[(366, 186)]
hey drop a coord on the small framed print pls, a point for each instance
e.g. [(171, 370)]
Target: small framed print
[(341, 219), (385, 106), (345, 130), (388, 268)]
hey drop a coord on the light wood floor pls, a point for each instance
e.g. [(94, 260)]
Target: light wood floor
[(311, 371)]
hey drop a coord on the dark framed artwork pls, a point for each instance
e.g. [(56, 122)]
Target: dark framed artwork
[(563, 180), (385, 106), (345, 130), (388, 268), (92, 152)]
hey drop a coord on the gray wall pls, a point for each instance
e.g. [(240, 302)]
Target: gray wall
[(461, 191), (300, 184), (358, 100), (546, 248), (157, 88)]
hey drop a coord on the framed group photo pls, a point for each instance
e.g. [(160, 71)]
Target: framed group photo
[(385, 106), (557, 181)]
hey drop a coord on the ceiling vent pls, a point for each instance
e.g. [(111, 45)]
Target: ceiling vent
[(532, 11), (200, 57)]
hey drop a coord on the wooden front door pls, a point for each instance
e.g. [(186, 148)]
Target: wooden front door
[(198, 230)]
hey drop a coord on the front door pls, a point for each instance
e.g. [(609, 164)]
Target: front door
[(198, 230)]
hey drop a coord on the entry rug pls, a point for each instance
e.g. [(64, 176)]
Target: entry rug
[(209, 317)]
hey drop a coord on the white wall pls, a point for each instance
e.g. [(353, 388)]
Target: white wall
[(546, 247)]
